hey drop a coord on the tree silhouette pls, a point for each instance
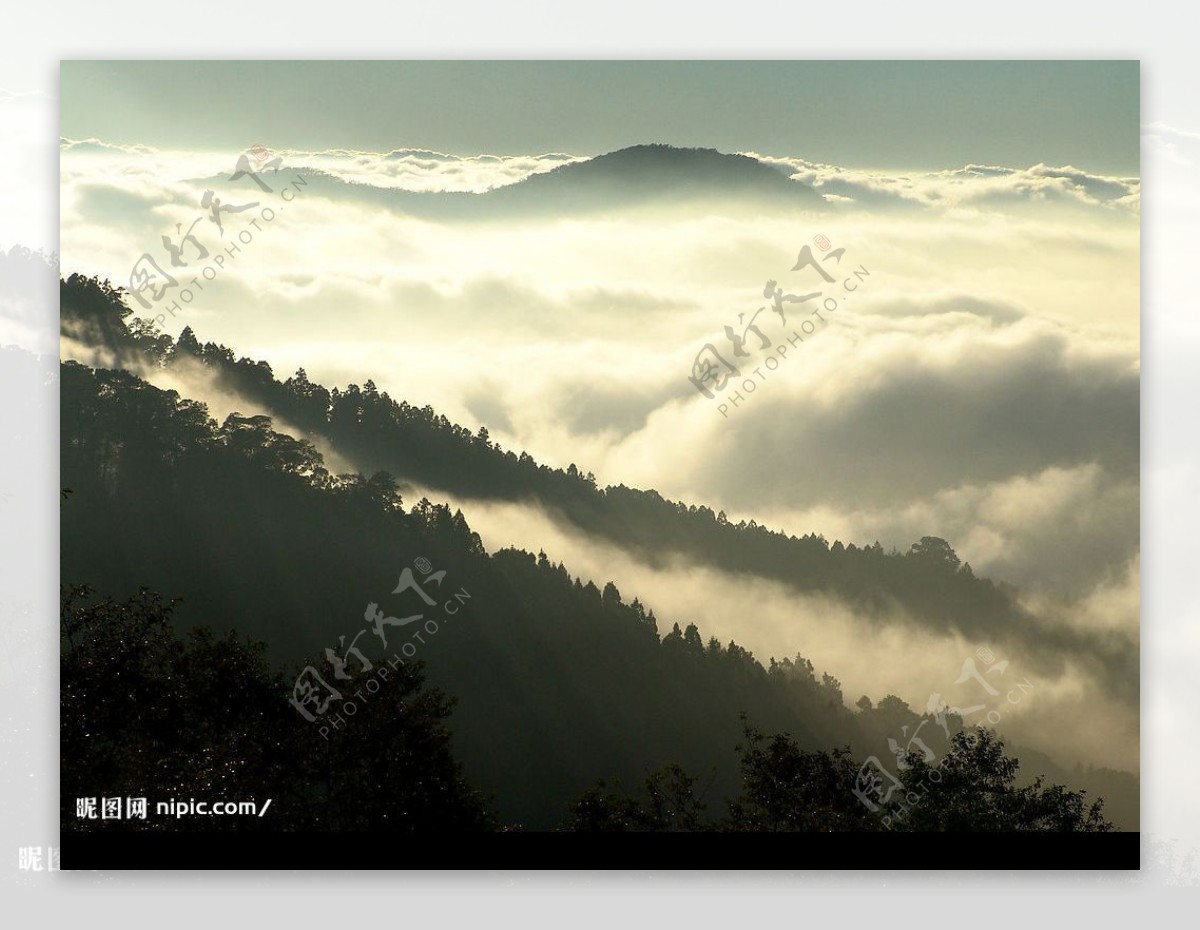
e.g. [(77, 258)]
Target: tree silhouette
[(667, 804), (148, 713), (972, 788), (933, 550), (786, 788)]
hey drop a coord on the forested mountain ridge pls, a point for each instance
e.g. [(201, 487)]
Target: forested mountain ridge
[(557, 682), (286, 544), (379, 433)]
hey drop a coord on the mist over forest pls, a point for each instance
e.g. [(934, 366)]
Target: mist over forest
[(660, 488)]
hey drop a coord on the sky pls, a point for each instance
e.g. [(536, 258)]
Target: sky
[(901, 114), (982, 385)]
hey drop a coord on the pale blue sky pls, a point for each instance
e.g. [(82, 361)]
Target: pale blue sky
[(864, 114)]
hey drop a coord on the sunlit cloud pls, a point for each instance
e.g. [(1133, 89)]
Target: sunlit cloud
[(982, 386)]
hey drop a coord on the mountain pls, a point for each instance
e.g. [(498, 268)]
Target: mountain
[(660, 177), (559, 682), (928, 584), (555, 682)]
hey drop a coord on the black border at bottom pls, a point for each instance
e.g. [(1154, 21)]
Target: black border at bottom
[(161, 851)]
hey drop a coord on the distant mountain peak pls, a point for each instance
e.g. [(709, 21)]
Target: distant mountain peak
[(648, 175), (654, 172), (657, 155)]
